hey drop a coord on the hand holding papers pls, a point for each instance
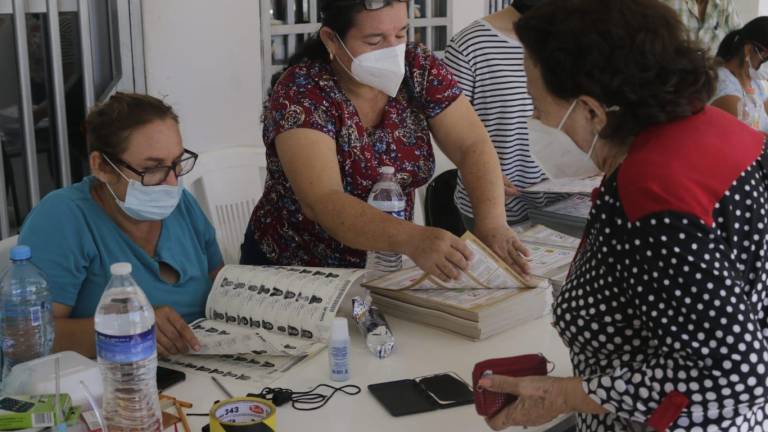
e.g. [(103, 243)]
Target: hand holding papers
[(489, 298)]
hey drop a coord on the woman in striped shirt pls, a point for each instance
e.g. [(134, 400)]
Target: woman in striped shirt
[(487, 60)]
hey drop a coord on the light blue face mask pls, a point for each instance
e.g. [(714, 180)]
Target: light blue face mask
[(147, 203)]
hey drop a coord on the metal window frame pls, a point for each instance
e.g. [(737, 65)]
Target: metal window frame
[(128, 70), (27, 124), (86, 52), (59, 103), (497, 5), (115, 54)]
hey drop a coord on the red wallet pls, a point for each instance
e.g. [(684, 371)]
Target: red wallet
[(488, 403)]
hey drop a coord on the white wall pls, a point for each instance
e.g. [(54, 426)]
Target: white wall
[(466, 11), (749, 9), (203, 56)]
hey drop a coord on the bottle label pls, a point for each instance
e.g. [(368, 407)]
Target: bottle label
[(34, 315), (126, 349), (339, 360)]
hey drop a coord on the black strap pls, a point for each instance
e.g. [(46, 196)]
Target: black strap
[(304, 401)]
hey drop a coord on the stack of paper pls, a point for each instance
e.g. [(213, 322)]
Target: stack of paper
[(568, 216), (489, 297)]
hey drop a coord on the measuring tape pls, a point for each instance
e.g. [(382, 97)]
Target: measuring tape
[(247, 414)]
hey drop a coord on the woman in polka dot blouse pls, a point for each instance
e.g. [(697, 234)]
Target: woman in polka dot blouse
[(664, 311)]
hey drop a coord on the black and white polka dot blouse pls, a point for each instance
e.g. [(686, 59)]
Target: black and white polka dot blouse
[(668, 291)]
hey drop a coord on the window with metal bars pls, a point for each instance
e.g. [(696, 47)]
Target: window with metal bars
[(497, 5), (57, 58)]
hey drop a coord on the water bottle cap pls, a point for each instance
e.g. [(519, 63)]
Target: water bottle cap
[(121, 269), (340, 328), (387, 170), (20, 253)]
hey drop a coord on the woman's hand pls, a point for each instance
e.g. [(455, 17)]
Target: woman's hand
[(540, 399), (439, 253), (174, 336), (504, 242), (510, 190)]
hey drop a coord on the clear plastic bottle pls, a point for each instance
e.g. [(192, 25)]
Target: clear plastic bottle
[(127, 354), (386, 196), (338, 350), (27, 314), (373, 327)]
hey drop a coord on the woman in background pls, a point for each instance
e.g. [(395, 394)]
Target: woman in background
[(740, 86), (487, 60)]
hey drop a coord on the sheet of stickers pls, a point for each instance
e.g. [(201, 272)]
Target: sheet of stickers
[(261, 321)]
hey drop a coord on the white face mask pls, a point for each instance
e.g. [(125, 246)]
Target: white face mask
[(557, 154), (382, 69), (147, 203), (761, 74)]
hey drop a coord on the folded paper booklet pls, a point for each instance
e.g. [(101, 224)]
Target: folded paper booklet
[(261, 321), (501, 300), (486, 271), (569, 185)]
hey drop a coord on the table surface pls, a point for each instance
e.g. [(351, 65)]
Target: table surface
[(420, 350)]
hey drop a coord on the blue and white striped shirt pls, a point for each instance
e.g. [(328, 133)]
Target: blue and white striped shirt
[(489, 68)]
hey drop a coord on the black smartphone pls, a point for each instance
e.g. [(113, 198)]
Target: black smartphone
[(447, 389), (167, 377)]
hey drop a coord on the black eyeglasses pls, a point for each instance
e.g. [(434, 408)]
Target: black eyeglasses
[(371, 4), (157, 175)]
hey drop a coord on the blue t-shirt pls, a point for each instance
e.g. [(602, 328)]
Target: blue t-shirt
[(74, 242)]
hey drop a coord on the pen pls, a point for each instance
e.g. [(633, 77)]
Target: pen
[(221, 386)]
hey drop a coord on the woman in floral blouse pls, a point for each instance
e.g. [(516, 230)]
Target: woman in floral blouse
[(358, 98)]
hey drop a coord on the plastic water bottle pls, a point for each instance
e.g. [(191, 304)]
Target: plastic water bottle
[(338, 350), (27, 315), (386, 196), (373, 327), (127, 354)]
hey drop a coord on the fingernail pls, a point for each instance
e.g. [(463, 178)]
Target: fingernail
[(196, 347), (484, 383)]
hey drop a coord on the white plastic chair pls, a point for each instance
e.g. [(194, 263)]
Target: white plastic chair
[(5, 251), (227, 184)]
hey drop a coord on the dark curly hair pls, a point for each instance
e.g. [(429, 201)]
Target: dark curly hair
[(634, 54)]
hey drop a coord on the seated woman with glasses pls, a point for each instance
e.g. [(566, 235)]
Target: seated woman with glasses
[(355, 99), (740, 87), (132, 209)]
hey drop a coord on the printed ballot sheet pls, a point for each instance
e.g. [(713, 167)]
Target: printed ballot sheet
[(486, 271), (569, 185), (539, 234), (577, 206), (259, 370), (551, 251), (260, 321), (294, 303), (217, 338)]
